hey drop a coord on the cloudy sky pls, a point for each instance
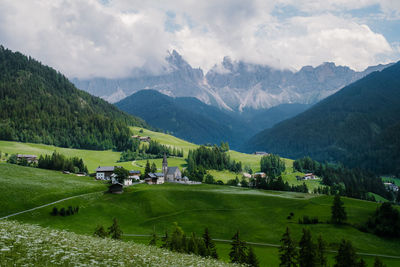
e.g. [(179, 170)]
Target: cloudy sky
[(112, 38)]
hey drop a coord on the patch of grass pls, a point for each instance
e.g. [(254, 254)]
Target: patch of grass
[(25, 187)]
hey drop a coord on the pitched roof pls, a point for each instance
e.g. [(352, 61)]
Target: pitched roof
[(152, 175), (26, 156), (134, 172), (159, 174), (172, 170), (105, 169)]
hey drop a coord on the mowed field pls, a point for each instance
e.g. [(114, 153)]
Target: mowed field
[(261, 216)]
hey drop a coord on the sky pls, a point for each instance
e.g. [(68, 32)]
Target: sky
[(116, 38)]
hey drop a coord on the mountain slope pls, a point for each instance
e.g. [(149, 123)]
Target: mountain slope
[(185, 117), (359, 126), (231, 85), (40, 105)]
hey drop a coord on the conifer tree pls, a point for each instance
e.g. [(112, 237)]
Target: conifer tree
[(165, 240), (100, 232), (320, 253), (307, 251), (114, 230), (210, 245), (176, 238), (346, 256), (362, 263), (153, 240), (153, 168), (287, 250), (238, 250), (378, 263), (192, 247), (147, 169), (338, 212), (202, 250), (252, 258)]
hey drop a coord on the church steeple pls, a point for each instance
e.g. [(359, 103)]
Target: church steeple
[(165, 166)]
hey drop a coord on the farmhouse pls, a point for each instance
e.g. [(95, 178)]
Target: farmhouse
[(309, 176), (28, 158), (104, 173), (134, 173), (261, 153), (155, 178), (142, 138), (391, 187), (260, 174)]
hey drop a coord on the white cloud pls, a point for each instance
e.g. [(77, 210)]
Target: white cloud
[(84, 38)]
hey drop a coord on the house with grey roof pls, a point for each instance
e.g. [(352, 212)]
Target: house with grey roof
[(104, 172), (155, 178)]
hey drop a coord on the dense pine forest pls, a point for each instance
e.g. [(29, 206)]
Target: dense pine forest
[(40, 105)]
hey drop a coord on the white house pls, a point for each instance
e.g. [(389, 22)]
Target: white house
[(104, 173), (155, 178)]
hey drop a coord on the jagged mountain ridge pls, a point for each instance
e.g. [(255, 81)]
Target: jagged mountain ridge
[(232, 85)]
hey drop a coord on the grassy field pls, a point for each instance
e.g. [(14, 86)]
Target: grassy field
[(24, 187), (261, 216)]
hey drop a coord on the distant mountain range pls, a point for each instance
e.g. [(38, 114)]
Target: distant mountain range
[(192, 120), (40, 105), (358, 126), (233, 86)]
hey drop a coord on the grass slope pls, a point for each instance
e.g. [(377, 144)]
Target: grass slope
[(261, 216), (24, 187), (29, 245)]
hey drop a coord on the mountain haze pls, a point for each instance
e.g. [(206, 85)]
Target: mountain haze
[(232, 85), (359, 126)]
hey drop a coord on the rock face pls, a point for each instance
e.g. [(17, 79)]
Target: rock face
[(232, 85)]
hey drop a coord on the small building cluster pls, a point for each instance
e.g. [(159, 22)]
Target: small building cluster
[(391, 187), (28, 158), (307, 176), (142, 138), (261, 153)]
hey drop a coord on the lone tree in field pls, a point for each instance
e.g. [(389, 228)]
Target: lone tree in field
[(252, 258), (210, 245), (338, 213), (238, 250), (320, 257), (287, 251), (114, 230), (307, 250), (346, 256), (100, 231)]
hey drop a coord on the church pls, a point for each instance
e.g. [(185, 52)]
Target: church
[(171, 174)]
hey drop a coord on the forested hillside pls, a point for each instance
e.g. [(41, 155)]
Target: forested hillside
[(186, 117), (358, 126), (40, 105)]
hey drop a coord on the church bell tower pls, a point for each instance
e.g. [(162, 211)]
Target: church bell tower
[(165, 166)]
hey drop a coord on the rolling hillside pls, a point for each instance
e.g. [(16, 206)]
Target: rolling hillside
[(261, 216), (359, 126), (40, 105)]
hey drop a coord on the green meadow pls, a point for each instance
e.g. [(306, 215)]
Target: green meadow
[(261, 216)]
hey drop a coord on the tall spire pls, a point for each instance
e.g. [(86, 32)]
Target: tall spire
[(165, 166), (165, 159)]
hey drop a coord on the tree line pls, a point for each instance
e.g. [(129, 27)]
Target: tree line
[(152, 151), (354, 183), (55, 161)]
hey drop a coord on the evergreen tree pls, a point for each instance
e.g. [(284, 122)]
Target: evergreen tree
[(210, 245), (307, 251), (202, 248), (165, 240), (287, 251), (346, 256), (378, 263), (192, 247), (362, 263), (252, 258), (176, 239), (100, 232), (154, 238), (153, 167), (147, 169), (338, 212), (54, 212), (238, 250), (114, 230), (320, 257)]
